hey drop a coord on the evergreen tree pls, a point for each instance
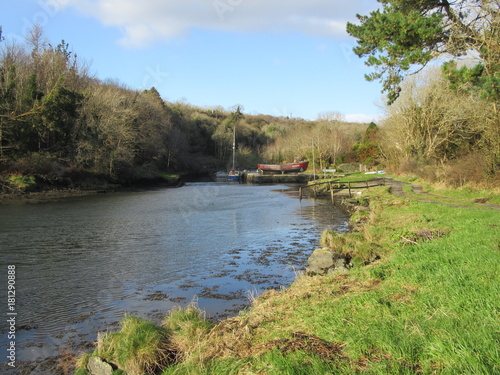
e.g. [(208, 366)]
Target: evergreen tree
[(406, 35)]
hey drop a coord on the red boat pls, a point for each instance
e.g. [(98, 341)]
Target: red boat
[(301, 166)]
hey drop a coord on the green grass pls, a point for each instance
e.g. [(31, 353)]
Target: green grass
[(464, 194), (462, 197), (139, 347), (360, 177)]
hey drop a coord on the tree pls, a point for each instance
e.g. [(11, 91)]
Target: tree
[(431, 124), (367, 151), (407, 34)]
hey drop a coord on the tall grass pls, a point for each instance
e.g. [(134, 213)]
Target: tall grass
[(140, 347)]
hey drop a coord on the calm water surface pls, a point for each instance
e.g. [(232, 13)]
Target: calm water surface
[(82, 263)]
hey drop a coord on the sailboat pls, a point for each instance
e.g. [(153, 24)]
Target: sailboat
[(233, 174)]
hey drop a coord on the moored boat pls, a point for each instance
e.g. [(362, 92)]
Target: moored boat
[(301, 166), (233, 175)]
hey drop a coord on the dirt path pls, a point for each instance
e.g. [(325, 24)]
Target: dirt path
[(397, 189)]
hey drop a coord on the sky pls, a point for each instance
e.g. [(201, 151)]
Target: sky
[(280, 58)]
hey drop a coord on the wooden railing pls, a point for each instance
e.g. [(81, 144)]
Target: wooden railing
[(337, 185)]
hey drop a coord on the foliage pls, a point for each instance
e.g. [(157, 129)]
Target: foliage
[(328, 142), (431, 124), (21, 182), (367, 151), (51, 105), (405, 35)]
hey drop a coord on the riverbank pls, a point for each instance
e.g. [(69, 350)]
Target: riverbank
[(52, 192), (426, 303)]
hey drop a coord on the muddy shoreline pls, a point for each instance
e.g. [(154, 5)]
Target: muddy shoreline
[(21, 197)]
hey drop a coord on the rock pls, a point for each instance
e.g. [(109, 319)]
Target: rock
[(98, 366), (320, 261), (341, 264), (326, 261)]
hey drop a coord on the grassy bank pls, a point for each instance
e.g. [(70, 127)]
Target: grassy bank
[(427, 304)]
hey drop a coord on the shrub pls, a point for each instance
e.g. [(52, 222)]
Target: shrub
[(21, 182)]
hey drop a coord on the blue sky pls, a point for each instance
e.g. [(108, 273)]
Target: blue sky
[(282, 58)]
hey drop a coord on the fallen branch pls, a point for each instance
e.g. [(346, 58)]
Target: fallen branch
[(408, 240)]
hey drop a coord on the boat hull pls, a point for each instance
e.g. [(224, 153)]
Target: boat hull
[(283, 168), (233, 176)]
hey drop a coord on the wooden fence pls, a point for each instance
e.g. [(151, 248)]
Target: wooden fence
[(337, 185)]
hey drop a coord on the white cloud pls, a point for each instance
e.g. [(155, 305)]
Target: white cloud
[(363, 118), (145, 21)]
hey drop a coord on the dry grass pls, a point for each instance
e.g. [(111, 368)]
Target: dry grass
[(188, 328)]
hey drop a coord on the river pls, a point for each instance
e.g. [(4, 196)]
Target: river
[(81, 263)]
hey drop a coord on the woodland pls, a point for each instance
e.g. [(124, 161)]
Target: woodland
[(60, 126), (438, 62)]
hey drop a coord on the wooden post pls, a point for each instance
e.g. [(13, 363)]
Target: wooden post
[(349, 187), (300, 192)]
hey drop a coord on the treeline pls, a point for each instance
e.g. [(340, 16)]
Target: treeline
[(61, 126), (328, 141), (59, 123)]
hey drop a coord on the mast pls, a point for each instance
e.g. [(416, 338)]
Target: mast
[(234, 145)]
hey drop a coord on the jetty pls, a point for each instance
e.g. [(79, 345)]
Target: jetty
[(257, 178)]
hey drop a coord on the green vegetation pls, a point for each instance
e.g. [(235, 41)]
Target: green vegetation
[(443, 125), (422, 297), (406, 35), (65, 128), (140, 347), (21, 182)]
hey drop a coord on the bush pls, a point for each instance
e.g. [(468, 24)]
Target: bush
[(21, 182)]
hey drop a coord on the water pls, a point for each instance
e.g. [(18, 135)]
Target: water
[(83, 262)]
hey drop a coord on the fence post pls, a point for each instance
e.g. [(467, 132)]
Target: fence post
[(349, 186)]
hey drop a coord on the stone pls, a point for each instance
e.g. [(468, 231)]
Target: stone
[(326, 261), (320, 261), (98, 366), (341, 265)]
